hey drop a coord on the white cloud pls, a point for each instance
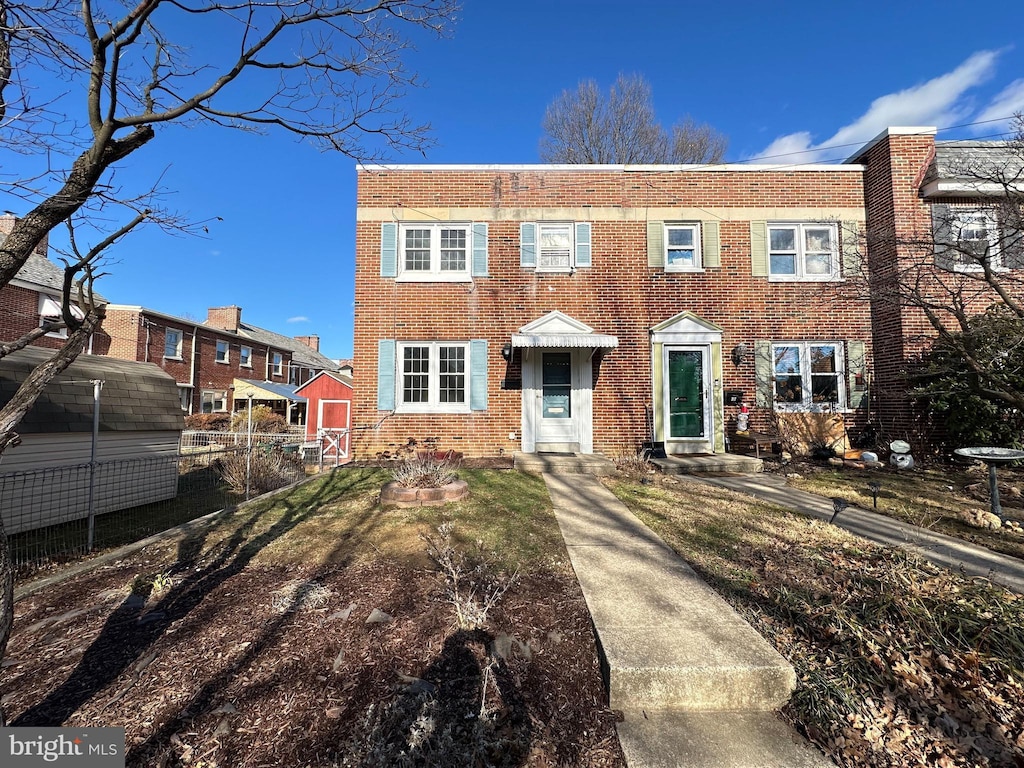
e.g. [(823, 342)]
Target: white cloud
[(937, 102), (298, 319), (997, 116)]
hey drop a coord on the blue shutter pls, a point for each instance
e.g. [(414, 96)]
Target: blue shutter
[(479, 250), (478, 375), (388, 249), (527, 244), (386, 375), (583, 244)]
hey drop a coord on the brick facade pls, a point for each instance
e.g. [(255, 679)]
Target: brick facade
[(619, 294), (135, 333)]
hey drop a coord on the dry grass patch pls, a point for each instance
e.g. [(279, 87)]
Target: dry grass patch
[(898, 662), (941, 498)]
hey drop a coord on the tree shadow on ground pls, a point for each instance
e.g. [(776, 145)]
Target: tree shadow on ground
[(136, 625)]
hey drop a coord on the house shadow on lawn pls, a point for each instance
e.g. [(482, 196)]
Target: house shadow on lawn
[(137, 624)]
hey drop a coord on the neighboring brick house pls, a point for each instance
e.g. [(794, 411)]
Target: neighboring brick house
[(33, 296), (592, 308), (930, 205), (208, 359)]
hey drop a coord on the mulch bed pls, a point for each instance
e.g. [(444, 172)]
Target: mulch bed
[(267, 666)]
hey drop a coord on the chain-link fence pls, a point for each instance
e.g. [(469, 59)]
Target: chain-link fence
[(57, 514)]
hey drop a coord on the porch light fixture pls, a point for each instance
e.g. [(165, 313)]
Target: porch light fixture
[(506, 352), (739, 353)]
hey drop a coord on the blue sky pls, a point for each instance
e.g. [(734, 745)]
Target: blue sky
[(777, 78)]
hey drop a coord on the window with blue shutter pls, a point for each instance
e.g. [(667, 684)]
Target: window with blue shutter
[(389, 249), (583, 244), (478, 375), (527, 244), (480, 250), (385, 375)]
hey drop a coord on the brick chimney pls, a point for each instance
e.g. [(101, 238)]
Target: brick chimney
[(225, 318), (7, 222), (313, 342)]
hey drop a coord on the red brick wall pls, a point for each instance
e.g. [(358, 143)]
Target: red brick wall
[(131, 336), (618, 295)]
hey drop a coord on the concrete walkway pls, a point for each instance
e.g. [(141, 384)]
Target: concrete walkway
[(942, 550), (696, 684)]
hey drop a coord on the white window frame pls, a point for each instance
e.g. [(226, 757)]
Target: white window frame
[(807, 403), (433, 403), (50, 311), (698, 257), (211, 395), (800, 254), (435, 273), (959, 225), (185, 398), (276, 364), (170, 333), (548, 226), (245, 357), (227, 352)]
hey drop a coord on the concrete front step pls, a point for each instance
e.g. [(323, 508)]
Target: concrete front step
[(709, 463), (667, 640), (667, 739), (564, 463)]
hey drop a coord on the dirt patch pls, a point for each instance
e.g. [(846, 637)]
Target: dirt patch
[(279, 666)]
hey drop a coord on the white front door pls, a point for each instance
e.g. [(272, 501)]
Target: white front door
[(557, 400)]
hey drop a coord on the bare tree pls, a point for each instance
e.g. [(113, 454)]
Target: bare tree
[(955, 277), (586, 126), (93, 81)]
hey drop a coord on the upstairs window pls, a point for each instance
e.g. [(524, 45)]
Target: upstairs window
[(276, 364), (245, 357), (222, 352), (172, 344), (802, 252), (554, 246), (434, 252), (682, 248), (51, 316), (966, 238)]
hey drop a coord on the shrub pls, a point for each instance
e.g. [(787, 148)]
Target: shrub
[(263, 420), (268, 469), (416, 465), (208, 422)]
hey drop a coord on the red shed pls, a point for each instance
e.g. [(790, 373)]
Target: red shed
[(329, 412)]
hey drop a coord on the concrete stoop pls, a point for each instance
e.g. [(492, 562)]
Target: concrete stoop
[(564, 463), (673, 739), (709, 463)]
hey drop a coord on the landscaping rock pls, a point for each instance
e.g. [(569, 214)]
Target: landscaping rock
[(377, 616)]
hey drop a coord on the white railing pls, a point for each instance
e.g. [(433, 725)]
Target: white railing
[(192, 440)]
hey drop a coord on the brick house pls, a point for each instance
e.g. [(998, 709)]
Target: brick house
[(33, 296), (591, 308), (210, 359)]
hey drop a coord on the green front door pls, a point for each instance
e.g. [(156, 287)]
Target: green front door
[(685, 393)]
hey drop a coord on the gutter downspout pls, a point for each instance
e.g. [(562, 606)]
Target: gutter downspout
[(192, 366)]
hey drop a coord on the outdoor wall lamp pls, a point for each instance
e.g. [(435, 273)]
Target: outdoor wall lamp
[(739, 353), (506, 352)]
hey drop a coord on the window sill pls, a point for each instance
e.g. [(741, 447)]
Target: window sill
[(223, 362), (173, 357), (683, 270), (408, 409), (433, 277), (792, 279)]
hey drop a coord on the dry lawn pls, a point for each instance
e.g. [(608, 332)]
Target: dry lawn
[(899, 663)]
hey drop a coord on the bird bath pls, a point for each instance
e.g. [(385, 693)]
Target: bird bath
[(993, 457)]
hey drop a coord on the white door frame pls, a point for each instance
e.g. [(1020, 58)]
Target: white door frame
[(706, 397), (582, 398)]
